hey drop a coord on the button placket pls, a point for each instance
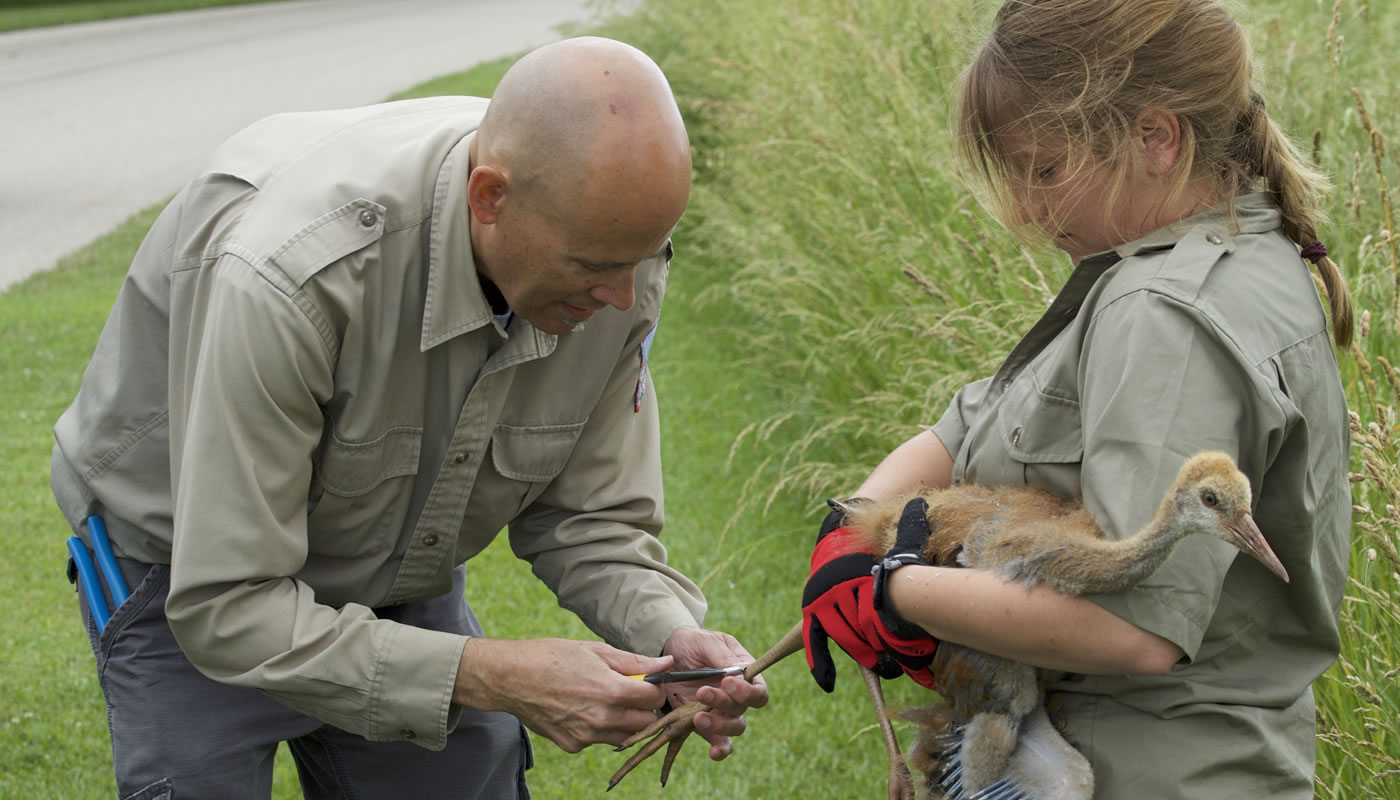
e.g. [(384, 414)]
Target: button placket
[(437, 529)]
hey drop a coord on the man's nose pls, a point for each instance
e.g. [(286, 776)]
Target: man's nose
[(617, 291)]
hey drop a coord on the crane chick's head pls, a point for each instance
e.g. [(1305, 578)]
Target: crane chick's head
[(1213, 496)]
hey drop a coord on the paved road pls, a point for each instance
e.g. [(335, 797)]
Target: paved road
[(100, 120)]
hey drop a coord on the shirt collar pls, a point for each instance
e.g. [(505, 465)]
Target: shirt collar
[(453, 303), (1254, 213)]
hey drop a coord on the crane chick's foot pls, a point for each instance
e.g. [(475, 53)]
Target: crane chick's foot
[(670, 731)]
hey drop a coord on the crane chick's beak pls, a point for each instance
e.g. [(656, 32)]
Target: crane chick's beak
[(1248, 538)]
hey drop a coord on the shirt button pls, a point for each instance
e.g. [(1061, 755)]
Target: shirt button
[(430, 540), (368, 218), (1016, 437), (460, 458), (1071, 311), (408, 734), (1215, 239), (1005, 384)]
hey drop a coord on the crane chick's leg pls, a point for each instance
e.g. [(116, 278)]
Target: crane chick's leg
[(900, 784)]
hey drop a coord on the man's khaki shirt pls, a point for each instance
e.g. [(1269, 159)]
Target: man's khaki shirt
[(1197, 337), (303, 402)]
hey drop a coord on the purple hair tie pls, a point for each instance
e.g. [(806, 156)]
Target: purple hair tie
[(1314, 252)]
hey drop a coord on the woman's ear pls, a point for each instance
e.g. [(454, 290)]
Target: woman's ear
[(486, 191), (1158, 134)]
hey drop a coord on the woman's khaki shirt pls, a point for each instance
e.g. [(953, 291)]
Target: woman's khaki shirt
[(303, 402), (1197, 337)]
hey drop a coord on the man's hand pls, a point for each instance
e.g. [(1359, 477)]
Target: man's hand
[(694, 648), (572, 693), (845, 600)]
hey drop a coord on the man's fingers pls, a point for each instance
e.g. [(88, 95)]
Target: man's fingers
[(721, 748), (749, 695), (712, 725), (733, 695), (634, 664)]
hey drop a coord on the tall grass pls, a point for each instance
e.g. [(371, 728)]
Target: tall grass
[(831, 215)]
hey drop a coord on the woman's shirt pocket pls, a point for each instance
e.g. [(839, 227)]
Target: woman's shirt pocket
[(1032, 436)]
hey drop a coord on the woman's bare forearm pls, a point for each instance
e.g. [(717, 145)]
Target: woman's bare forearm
[(1037, 626), (920, 461)]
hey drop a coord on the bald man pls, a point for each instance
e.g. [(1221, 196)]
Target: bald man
[(352, 350)]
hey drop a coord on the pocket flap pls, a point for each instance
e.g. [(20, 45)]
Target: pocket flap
[(535, 454), (351, 469), (1040, 427)]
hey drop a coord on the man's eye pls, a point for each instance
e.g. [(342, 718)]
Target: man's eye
[(609, 266)]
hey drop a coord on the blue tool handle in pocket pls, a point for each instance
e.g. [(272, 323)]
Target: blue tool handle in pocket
[(87, 576), (107, 561)]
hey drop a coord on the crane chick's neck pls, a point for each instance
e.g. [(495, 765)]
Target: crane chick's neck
[(1124, 563), (1177, 517)]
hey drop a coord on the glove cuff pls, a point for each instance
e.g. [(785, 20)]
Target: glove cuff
[(879, 594)]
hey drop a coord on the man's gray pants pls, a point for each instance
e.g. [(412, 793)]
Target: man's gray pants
[(177, 734)]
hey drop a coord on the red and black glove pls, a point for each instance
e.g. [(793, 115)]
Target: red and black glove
[(845, 600)]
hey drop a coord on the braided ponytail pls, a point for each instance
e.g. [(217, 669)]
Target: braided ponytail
[(1295, 188)]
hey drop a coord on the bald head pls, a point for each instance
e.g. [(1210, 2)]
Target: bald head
[(589, 119)]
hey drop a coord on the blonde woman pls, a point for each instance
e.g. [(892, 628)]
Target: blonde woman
[(1129, 133)]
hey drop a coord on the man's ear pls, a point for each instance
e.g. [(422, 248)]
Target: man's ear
[(486, 192), (1158, 134)]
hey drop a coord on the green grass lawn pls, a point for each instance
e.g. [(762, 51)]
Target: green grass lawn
[(19, 14), (833, 285)]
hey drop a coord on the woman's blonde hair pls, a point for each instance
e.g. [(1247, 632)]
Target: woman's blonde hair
[(1077, 73)]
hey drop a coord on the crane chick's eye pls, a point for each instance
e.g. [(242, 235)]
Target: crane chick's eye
[(1208, 497)]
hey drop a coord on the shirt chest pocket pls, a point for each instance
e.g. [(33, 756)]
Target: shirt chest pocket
[(522, 463), (533, 454), (527, 458), (1036, 438), (360, 493)]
